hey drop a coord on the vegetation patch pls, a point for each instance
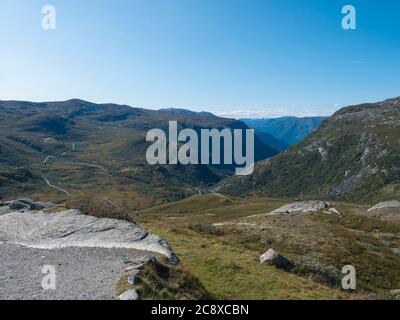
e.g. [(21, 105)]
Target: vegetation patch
[(159, 281), (102, 208), (206, 229)]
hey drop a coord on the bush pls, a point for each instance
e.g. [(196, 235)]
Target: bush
[(207, 229), (102, 208), (318, 272)]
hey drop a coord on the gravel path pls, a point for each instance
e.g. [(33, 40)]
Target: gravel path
[(81, 273)]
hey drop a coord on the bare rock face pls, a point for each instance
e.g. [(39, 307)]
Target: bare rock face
[(305, 207), (70, 228), (384, 205), (271, 257)]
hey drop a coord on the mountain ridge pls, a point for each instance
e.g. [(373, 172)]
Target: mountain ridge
[(109, 148)]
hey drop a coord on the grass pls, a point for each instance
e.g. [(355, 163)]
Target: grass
[(227, 268), (227, 261), (230, 272)]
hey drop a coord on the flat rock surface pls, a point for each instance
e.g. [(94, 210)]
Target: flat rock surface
[(89, 254), (81, 273), (70, 228)]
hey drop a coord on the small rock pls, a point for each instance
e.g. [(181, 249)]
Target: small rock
[(28, 204), (127, 269), (396, 251), (17, 205), (129, 295), (272, 257), (133, 280), (395, 293), (334, 210), (4, 204), (39, 205)]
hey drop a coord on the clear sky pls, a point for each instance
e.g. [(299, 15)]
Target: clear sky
[(241, 57)]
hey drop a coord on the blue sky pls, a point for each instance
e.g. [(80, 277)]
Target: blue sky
[(231, 57)]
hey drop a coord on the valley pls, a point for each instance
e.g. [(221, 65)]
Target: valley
[(91, 157)]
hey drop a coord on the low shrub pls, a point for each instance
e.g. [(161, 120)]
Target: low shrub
[(103, 208), (318, 272), (207, 229)]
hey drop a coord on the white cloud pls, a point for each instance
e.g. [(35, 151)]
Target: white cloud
[(275, 113)]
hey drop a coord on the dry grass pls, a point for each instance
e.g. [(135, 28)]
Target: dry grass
[(103, 208)]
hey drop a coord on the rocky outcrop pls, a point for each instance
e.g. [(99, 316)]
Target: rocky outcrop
[(70, 228), (271, 257), (305, 207), (384, 205)]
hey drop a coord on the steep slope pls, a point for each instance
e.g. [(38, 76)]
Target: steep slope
[(270, 140), (290, 130), (82, 148), (354, 155)]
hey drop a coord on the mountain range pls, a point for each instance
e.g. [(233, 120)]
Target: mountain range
[(80, 148), (77, 148)]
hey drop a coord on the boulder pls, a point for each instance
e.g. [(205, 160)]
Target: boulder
[(302, 207), (386, 204), (129, 295), (271, 257), (71, 228)]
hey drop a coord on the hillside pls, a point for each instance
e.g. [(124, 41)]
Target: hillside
[(221, 238), (76, 148), (289, 130), (354, 155)]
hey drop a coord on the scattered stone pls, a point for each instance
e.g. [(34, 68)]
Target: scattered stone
[(39, 205), (17, 205), (386, 204), (130, 295), (133, 280), (334, 210), (28, 204), (271, 257), (127, 269), (396, 251)]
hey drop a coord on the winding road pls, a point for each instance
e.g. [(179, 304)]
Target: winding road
[(47, 180)]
